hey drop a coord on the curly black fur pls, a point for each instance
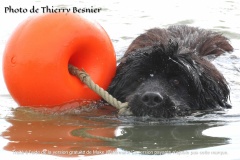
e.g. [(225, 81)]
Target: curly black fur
[(167, 72)]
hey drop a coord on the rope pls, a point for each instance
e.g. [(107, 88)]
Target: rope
[(86, 79)]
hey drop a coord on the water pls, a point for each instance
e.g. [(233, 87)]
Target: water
[(27, 134)]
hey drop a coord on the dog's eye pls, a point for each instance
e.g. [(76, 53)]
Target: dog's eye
[(141, 79), (175, 82)]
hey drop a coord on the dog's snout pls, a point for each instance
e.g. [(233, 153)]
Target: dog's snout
[(152, 99)]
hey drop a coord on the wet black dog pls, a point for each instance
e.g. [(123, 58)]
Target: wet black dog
[(167, 72)]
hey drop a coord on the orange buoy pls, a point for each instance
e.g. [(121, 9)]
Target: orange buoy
[(36, 58)]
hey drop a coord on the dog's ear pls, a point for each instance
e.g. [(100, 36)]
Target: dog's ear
[(214, 44), (214, 89)]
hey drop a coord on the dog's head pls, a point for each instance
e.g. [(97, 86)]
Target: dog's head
[(158, 81)]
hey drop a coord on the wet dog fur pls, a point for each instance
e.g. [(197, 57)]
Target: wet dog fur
[(168, 72)]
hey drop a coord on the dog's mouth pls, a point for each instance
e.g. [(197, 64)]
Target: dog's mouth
[(155, 106)]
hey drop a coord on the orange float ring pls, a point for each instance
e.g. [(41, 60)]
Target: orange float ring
[(36, 58)]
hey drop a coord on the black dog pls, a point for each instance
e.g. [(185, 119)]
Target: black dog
[(167, 72)]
